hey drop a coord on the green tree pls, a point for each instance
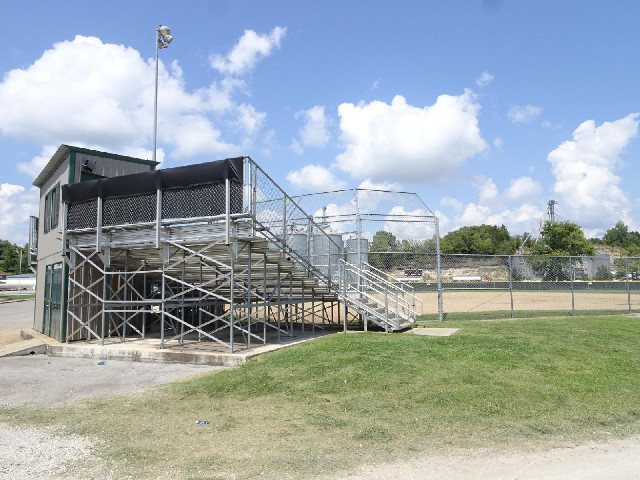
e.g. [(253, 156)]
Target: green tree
[(563, 239), (383, 241), (10, 257), (560, 239), (620, 236), (617, 236), (482, 239)]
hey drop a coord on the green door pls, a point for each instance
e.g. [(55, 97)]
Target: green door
[(52, 325)]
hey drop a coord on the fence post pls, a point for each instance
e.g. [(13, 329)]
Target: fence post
[(511, 284), (438, 273), (573, 297), (626, 280), (344, 292)]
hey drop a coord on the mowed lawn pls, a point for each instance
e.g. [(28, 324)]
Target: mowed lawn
[(332, 404)]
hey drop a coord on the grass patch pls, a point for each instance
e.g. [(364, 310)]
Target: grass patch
[(5, 298), (348, 399)]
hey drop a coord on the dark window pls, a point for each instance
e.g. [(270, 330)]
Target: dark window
[(51, 208)]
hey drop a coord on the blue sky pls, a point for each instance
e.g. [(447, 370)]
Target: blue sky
[(487, 109)]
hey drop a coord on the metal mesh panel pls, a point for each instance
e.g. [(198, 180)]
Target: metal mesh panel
[(82, 215), (200, 201), (128, 210)]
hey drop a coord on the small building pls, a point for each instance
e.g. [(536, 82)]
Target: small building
[(68, 165)]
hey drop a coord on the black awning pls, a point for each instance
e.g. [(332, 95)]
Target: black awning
[(149, 182)]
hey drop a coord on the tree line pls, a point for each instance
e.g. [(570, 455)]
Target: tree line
[(562, 239), (10, 258)]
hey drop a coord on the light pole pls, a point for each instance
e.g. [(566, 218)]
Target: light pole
[(163, 39), (19, 250)]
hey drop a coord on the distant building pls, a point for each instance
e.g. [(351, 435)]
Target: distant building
[(68, 165)]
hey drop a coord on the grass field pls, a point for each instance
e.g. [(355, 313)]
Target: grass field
[(343, 400), (23, 296)]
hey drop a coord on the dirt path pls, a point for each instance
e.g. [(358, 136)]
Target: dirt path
[(615, 460)]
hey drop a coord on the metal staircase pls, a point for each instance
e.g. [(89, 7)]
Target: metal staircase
[(372, 294), (378, 297)]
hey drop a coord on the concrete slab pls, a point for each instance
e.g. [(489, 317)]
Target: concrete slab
[(23, 347), (148, 350), (433, 332), (16, 314)]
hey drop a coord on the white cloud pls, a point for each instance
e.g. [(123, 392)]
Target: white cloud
[(250, 48), (16, 205), (451, 202), (249, 119), (314, 178), (498, 143), (269, 143), (400, 142), (517, 220), (523, 113), (488, 190), (473, 214), (548, 124), (516, 207), (88, 93), (586, 185), (37, 163), (413, 224), (484, 79), (444, 223), (315, 132), (523, 188)]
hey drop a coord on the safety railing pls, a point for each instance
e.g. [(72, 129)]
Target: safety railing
[(381, 298)]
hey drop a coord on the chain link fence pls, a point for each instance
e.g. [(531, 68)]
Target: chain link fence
[(512, 286)]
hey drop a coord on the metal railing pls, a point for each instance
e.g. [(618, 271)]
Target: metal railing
[(383, 299)]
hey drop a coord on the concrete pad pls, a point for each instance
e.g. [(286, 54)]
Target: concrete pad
[(16, 315), (433, 332), (23, 347), (148, 350)]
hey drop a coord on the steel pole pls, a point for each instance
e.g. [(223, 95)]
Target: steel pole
[(155, 103), (438, 272), (511, 283)]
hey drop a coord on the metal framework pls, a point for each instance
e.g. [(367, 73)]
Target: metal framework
[(235, 273)]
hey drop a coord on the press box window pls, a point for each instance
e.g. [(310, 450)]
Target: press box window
[(51, 208)]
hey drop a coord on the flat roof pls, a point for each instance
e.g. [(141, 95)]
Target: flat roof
[(64, 150)]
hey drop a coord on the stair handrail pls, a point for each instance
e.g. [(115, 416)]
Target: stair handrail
[(402, 307), (410, 289)]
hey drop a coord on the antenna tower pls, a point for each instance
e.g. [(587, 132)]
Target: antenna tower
[(551, 211)]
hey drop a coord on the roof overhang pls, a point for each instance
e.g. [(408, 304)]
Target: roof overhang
[(63, 152)]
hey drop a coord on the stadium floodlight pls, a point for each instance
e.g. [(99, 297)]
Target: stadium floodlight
[(163, 39)]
